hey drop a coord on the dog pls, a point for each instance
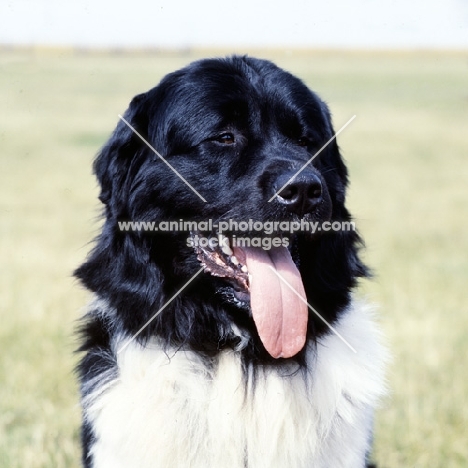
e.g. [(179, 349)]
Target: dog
[(203, 351)]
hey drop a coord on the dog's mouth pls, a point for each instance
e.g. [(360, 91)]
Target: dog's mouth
[(217, 258), (267, 279)]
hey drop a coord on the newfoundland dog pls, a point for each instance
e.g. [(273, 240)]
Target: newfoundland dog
[(223, 331)]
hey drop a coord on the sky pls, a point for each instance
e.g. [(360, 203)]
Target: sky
[(256, 23)]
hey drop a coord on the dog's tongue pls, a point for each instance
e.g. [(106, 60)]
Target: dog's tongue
[(279, 314)]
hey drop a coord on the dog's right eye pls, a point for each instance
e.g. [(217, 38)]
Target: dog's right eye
[(303, 141), (225, 138)]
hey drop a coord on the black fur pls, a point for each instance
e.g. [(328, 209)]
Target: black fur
[(278, 124)]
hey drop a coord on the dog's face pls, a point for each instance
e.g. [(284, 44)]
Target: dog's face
[(241, 132)]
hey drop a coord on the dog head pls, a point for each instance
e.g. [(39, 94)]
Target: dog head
[(226, 140)]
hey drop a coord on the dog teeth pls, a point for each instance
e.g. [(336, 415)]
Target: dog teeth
[(234, 260), (224, 244), (244, 269), (226, 249)]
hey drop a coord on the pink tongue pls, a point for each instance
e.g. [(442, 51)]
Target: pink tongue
[(279, 314)]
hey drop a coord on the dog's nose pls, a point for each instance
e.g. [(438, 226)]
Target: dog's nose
[(301, 194)]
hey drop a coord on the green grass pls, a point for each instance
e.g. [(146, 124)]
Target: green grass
[(407, 154)]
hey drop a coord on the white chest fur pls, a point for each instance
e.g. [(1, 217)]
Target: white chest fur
[(171, 411)]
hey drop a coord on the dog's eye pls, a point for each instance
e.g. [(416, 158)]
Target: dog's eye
[(303, 141), (225, 138)]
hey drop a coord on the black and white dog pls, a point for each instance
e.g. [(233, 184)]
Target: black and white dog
[(202, 351)]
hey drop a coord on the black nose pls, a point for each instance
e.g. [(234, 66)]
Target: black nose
[(300, 195)]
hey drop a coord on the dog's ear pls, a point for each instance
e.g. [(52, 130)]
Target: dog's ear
[(334, 169), (117, 269), (113, 164), (331, 264)]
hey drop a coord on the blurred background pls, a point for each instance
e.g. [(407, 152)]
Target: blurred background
[(68, 68)]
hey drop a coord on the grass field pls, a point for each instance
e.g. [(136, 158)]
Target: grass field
[(407, 152)]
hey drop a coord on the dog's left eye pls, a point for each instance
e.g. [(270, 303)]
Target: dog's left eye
[(225, 138)]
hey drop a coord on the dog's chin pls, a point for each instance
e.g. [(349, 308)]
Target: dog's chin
[(233, 295)]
